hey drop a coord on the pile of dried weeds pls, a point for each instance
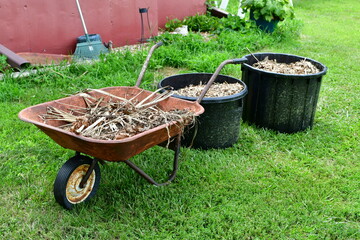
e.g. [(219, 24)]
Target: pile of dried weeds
[(215, 90), (299, 67), (117, 118)]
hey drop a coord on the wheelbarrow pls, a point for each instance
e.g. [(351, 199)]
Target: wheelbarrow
[(79, 178)]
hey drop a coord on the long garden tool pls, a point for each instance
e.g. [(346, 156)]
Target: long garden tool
[(90, 49)]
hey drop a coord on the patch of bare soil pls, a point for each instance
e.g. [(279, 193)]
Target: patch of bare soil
[(299, 67), (215, 90), (117, 118)]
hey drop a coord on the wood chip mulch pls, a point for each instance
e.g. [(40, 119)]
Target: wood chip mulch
[(299, 67), (216, 90)]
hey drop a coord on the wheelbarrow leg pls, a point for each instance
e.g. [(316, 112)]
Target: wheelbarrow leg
[(90, 170), (88, 173), (175, 166)]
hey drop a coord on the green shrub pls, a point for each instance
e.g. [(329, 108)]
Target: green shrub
[(3, 64), (269, 9), (208, 23), (197, 23)]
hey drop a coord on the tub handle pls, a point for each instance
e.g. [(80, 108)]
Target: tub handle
[(216, 74), (146, 63)]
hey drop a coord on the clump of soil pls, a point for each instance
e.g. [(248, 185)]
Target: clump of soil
[(215, 90), (299, 67), (117, 118)]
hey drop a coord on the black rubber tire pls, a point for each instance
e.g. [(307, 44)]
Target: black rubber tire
[(71, 172)]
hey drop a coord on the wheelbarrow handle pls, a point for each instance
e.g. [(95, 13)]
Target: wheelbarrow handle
[(146, 63), (216, 74)]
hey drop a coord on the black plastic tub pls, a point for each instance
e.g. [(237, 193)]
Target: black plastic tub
[(282, 102), (219, 125)]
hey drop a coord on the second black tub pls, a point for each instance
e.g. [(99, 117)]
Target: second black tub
[(219, 125)]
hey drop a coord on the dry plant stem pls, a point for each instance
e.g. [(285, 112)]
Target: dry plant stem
[(70, 105), (157, 99), (137, 95), (93, 125), (148, 97), (167, 128), (97, 105), (87, 102), (79, 130), (253, 55), (57, 114), (163, 96), (85, 95), (62, 75), (109, 94), (83, 74)]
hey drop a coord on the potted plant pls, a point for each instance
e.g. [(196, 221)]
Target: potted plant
[(267, 13)]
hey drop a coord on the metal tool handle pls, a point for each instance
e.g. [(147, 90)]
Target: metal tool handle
[(216, 74), (146, 63), (82, 18)]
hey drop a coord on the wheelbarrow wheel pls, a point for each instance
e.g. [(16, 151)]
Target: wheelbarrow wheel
[(67, 190)]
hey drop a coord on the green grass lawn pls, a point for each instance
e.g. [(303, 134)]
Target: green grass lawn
[(267, 186)]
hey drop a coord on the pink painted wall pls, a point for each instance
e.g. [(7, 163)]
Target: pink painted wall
[(52, 26)]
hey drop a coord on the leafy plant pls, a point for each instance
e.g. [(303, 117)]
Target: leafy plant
[(197, 23), (172, 24), (202, 23), (269, 9), (232, 22), (3, 64), (208, 23)]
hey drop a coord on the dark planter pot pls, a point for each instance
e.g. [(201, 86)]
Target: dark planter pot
[(263, 24), (219, 125), (282, 102)]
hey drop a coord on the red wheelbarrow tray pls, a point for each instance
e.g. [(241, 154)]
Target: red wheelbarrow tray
[(109, 150)]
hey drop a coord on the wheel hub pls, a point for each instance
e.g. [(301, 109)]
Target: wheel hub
[(74, 193)]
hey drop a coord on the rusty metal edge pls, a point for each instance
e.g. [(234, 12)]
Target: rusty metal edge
[(44, 59)]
